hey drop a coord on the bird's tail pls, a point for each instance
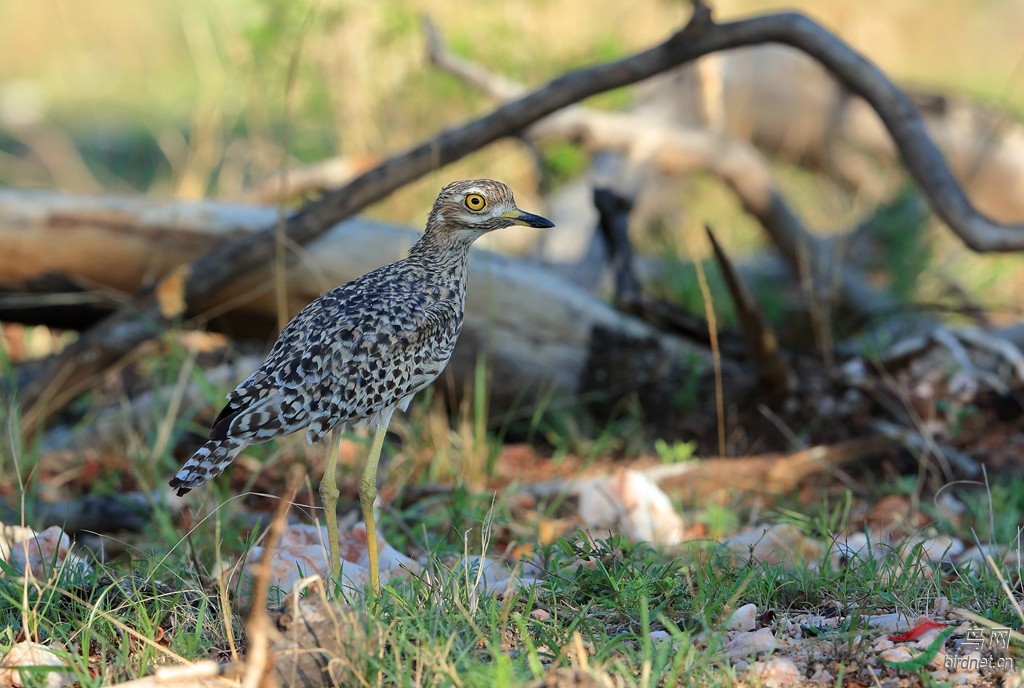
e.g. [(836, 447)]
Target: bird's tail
[(206, 464)]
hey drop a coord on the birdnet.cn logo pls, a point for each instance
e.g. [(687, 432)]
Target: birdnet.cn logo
[(980, 649)]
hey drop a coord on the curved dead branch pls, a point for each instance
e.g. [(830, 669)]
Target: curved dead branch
[(73, 369), (921, 156)]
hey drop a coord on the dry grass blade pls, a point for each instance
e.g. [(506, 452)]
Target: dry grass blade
[(259, 661)]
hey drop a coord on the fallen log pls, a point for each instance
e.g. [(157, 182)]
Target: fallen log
[(542, 335)]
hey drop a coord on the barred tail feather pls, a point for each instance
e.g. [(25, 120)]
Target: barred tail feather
[(206, 464)]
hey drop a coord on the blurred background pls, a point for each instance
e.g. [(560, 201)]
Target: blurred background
[(207, 100), (191, 100)]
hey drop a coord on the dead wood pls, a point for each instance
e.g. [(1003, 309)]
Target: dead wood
[(613, 209), (319, 643), (119, 426), (204, 674), (90, 513), (314, 643), (774, 378), (71, 372), (765, 475)]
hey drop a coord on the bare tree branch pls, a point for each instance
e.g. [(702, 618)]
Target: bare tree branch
[(921, 156)]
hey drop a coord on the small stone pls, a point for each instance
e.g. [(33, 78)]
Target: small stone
[(939, 548), (746, 644), (881, 643), (899, 653), (781, 544), (777, 672), (822, 676), (27, 654), (743, 619), (889, 623), (632, 503), (856, 546)]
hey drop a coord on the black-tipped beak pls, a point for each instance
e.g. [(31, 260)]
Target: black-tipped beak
[(521, 217)]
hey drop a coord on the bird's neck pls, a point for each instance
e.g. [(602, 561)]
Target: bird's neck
[(441, 251)]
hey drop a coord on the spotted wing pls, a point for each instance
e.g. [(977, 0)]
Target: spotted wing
[(332, 365)]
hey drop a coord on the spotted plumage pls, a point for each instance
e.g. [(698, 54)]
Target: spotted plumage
[(364, 349)]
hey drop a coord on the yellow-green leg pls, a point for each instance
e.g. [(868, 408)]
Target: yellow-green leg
[(368, 493), (329, 499)]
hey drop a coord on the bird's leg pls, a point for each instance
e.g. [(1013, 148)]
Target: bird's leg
[(368, 493), (329, 500)]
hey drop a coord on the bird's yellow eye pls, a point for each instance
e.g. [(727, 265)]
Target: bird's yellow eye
[(475, 202)]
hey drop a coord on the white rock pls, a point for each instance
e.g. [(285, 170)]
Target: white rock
[(882, 642), (976, 557), (777, 672), (633, 504), (302, 552), (900, 653), (743, 619), (40, 552), (889, 623), (822, 676), (939, 548), (26, 654), (858, 545), (746, 644), (781, 543)]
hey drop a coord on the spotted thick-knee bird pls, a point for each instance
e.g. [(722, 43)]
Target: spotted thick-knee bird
[(361, 351)]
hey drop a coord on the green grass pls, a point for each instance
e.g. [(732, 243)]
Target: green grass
[(598, 601), (605, 595)]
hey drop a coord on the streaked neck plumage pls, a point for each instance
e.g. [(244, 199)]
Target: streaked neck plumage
[(442, 249)]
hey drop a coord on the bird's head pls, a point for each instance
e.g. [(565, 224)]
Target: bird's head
[(469, 209)]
